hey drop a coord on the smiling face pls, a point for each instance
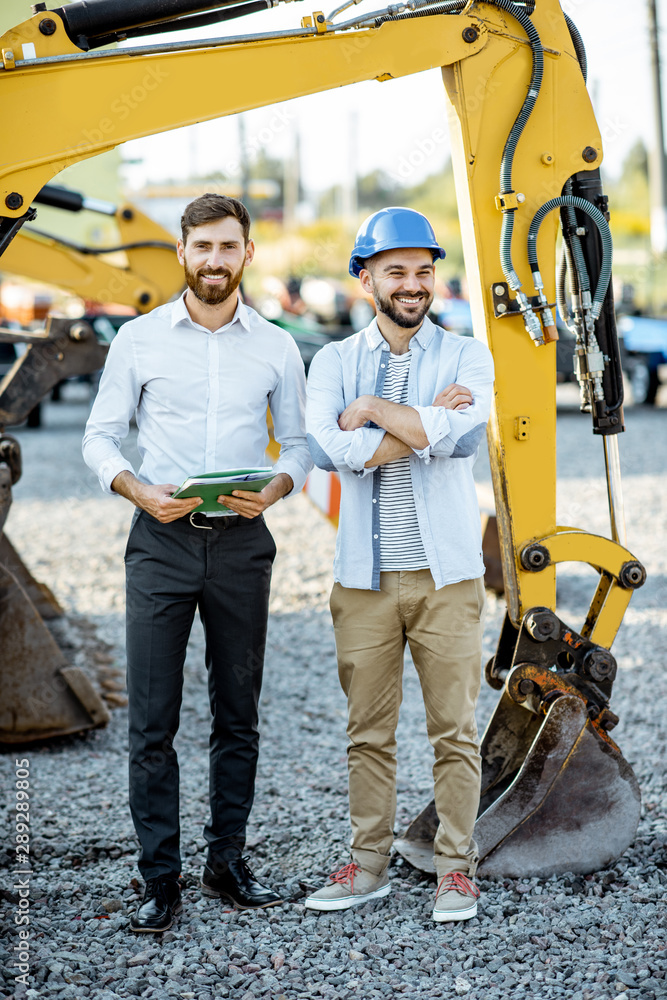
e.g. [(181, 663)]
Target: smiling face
[(402, 284), (214, 257)]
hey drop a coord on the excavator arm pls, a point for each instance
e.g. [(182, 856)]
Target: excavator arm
[(149, 275), (526, 155)]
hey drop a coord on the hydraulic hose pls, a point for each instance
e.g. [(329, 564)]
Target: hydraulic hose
[(570, 201), (578, 43), (565, 265), (515, 134)]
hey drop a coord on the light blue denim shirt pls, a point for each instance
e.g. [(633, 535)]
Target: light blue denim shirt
[(442, 480)]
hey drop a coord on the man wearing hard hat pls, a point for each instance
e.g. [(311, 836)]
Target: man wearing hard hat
[(399, 410)]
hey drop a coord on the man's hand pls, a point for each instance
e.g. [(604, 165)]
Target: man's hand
[(249, 504), (155, 500), (357, 413), (454, 397)]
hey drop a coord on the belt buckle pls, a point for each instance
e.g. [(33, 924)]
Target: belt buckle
[(202, 527)]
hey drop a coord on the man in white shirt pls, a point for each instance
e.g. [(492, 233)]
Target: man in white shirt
[(399, 410), (199, 374)]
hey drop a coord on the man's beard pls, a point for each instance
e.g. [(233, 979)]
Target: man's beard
[(212, 295), (387, 307)]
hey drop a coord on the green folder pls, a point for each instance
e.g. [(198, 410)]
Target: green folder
[(210, 485)]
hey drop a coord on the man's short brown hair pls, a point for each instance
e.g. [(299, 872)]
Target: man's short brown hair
[(211, 207)]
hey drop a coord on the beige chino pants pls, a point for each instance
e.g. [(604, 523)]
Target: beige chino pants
[(443, 629)]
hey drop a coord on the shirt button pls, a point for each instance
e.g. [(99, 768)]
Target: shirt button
[(374, 500), (382, 366), (376, 536)]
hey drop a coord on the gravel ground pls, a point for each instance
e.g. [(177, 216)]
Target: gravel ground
[(579, 938)]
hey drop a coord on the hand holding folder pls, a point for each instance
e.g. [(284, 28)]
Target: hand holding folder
[(210, 485)]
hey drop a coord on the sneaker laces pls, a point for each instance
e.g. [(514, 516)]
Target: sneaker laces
[(457, 882), (346, 874)]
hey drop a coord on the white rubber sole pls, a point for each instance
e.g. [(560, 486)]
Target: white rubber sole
[(312, 903), (443, 916)]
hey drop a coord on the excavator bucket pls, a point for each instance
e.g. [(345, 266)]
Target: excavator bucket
[(550, 815), (557, 795), (41, 695)]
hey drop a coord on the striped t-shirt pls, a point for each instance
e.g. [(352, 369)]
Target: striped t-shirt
[(401, 546)]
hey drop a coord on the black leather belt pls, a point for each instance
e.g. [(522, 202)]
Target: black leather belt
[(221, 523)]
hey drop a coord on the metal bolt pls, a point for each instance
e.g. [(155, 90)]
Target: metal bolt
[(48, 26), (589, 154), (632, 575), (547, 158), (80, 331), (469, 34), (526, 686), (127, 214), (520, 198), (499, 290), (144, 298), (535, 557), (13, 200), (542, 624), (321, 18), (600, 664), (501, 308)]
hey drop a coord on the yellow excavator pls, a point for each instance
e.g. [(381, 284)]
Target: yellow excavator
[(557, 793)]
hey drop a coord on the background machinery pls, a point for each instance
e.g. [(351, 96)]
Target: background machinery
[(557, 793), (42, 695)]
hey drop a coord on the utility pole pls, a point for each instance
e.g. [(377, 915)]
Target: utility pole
[(658, 165)]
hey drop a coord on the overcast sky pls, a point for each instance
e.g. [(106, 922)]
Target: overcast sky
[(391, 119)]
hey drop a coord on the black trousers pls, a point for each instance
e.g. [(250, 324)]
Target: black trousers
[(171, 570)]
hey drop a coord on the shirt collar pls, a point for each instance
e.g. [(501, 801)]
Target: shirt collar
[(423, 336), (180, 314)]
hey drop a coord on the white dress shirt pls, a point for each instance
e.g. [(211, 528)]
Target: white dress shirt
[(200, 398)]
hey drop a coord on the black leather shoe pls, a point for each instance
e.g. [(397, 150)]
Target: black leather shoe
[(232, 879), (161, 902)]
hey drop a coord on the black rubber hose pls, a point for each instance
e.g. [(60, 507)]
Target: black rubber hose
[(99, 251), (578, 43), (515, 134), (573, 242), (597, 217)]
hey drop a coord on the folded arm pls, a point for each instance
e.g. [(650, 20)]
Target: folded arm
[(333, 448)]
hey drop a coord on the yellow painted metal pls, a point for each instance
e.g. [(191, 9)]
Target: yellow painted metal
[(118, 96), (486, 94), (572, 545), (106, 99), (611, 599)]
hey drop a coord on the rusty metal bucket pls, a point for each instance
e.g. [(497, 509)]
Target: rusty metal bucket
[(41, 695), (557, 796)]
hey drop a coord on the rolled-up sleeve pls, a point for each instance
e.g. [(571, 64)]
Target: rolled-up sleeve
[(332, 448), (109, 420), (457, 433), (287, 403)]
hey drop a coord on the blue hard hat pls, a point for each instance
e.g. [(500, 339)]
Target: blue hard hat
[(390, 229)]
